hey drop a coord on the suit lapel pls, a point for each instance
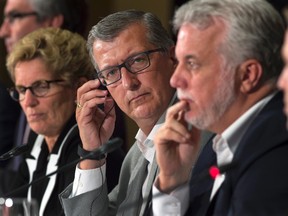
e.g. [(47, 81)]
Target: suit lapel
[(132, 203), (201, 184), (148, 192)]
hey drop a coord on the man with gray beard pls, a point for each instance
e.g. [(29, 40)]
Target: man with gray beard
[(228, 66)]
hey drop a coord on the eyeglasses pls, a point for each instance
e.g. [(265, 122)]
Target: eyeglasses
[(13, 15), (134, 64), (38, 89)]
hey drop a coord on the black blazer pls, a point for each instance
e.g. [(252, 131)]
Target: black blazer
[(258, 183), (9, 115)]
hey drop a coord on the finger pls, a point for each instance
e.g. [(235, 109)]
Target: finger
[(175, 119), (181, 119), (172, 133), (91, 84), (176, 110), (89, 91), (109, 105)]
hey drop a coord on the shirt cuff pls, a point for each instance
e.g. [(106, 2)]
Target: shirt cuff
[(175, 203), (82, 180)]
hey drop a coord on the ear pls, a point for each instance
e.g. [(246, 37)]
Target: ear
[(251, 73), (56, 21)]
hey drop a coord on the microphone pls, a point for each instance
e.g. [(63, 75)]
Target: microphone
[(15, 152), (212, 172), (106, 148)]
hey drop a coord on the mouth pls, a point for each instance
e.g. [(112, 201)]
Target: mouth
[(138, 98), (184, 96), (34, 117), (8, 46), (187, 100)]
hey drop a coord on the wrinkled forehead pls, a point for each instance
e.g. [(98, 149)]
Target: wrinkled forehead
[(130, 41)]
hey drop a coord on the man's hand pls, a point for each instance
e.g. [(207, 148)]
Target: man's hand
[(95, 125), (177, 148)]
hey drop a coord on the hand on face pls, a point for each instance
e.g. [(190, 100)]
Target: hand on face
[(95, 125), (177, 148)]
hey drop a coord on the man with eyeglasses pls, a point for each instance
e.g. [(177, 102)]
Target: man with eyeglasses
[(24, 16), (134, 64), (134, 59)]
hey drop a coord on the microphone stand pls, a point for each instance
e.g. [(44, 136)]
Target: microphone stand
[(108, 147)]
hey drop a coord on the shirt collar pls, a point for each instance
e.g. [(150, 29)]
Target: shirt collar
[(236, 130), (145, 143)]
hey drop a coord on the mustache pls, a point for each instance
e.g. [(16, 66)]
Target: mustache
[(183, 95)]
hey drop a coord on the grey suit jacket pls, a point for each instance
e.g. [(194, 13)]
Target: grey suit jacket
[(124, 199)]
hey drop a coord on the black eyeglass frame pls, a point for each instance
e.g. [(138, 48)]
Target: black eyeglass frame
[(13, 90), (125, 65), (13, 15)]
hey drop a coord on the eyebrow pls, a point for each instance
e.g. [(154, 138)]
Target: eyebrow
[(113, 66), (18, 14), (35, 82), (9, 13), (189, 57)]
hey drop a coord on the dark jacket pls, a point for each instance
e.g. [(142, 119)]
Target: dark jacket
[(257, 184)]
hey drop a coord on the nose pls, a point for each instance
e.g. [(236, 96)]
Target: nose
[(282, 81), (4, 29), (129, 80), (29, 99), (178, 79)]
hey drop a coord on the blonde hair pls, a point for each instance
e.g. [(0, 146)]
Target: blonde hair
[(64, 53)]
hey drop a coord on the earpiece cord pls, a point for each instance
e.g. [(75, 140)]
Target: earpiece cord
[(102, 177)]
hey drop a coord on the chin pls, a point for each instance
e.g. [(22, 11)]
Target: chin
[(192, 121), (39, 129)]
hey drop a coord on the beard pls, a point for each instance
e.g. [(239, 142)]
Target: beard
[(224, 95)]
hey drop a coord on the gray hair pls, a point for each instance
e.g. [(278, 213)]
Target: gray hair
[(75, 13), (111, 26), (255, 30)]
